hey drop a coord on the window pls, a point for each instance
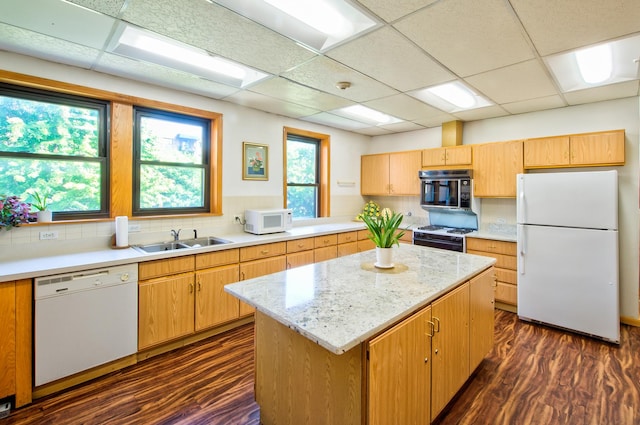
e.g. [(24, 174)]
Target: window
[(307, 173), (171, 163), (55, 144)]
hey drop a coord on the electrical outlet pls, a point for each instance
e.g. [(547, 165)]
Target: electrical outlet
[(134, 228), (237, 219), (48, 235)]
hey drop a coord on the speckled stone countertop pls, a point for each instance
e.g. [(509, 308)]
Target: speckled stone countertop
[(342, 302)]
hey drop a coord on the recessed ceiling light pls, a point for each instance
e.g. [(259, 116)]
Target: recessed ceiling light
[(367, 115), (597, 65), (317, 24), (451, 97), (150, 47)]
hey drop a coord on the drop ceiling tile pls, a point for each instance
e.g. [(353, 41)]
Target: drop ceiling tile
[(468, 37), (162, 76), (481, 113), (331, 120), (108, 7), (402, 127), (31, 43), (392, 10), (403, 106), (284, 89), (564, 25), (522, 81), (323, 73), (380, 52), (598, 94), (532, 105), (220, 31), (373, 131), (59, 19), (435, 120), (269, 104)]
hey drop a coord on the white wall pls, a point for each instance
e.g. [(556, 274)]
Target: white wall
[(609, 115)]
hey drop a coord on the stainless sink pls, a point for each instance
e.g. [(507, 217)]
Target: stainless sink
[(182, 244)]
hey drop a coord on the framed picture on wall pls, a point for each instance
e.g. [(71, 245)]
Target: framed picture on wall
[(255, 161)]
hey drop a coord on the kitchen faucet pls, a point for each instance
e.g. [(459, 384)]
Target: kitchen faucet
[(175, 234)]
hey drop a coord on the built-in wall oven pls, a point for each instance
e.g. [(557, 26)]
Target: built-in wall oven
[(445, 189)]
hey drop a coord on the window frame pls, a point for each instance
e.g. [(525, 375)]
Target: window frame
[(142, 112), (104, 145), (323, 168)]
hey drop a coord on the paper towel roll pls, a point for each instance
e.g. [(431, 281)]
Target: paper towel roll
[(122, 231)]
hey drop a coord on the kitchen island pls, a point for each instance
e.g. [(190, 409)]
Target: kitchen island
[(337, 340)]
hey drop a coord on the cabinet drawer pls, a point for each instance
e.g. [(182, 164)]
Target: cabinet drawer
[(262, 251), (507, 293), (363, 235), (507, 276), (160, 268), (365, 245), (299, 245), (347, 237), (325, 253), (301, 258), (490, 245), (326, 240), (217, 258), (502, 260)]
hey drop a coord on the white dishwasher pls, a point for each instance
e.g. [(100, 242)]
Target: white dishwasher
[(84, 319)]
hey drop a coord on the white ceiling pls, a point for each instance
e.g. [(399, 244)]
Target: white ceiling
[(497, 47)]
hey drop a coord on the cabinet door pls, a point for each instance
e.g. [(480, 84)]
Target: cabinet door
[(257, 268), (481, 316), (165, 309), (399, 373), (8, 339), (434, 157), (403, 173), (598, 148), (213, 304), (546, 152), (347, 248), (299, 259), (459, 155), (450, 344), (374, 174), (324, 254), (495, 166)]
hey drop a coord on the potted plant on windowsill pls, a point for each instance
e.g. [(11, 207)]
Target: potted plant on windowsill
[(41, 203), (13, 212), (383, 231)]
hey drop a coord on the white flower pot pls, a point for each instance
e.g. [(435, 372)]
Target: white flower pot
[(44, 216), (384, 258)]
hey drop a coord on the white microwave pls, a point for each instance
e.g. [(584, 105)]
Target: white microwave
[(260, 222)]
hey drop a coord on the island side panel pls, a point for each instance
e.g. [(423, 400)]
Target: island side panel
[(300, 382)]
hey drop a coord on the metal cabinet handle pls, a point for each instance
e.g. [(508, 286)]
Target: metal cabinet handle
[(437, 321), (191, 288), (264, 252), (433, 327)]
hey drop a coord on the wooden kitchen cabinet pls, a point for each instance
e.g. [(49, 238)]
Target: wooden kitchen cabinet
[(495, 166), (450, 347), (213, 305), (364, 243), (8, 339), (481, 317), (267, 250), (575, 150), (325, 247), (391, 173), (399, 373), (506, 291), (299, 252), (448, 156), (166, 309), (255, 268), (347, 243), (167, 267)]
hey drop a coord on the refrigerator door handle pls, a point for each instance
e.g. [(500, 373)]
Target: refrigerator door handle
[(521, 211), (523, 249)]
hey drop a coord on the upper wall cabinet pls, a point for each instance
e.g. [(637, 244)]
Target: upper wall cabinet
[(449, 156), (495, 166), (576, 150), (391, 173)]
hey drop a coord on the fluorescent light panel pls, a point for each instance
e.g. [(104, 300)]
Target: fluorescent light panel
[(150, 47), (451, 97), (598, 65), (318, 24), (367, 115)]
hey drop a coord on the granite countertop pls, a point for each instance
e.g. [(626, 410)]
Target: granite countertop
[(72, 262), (342, 302)]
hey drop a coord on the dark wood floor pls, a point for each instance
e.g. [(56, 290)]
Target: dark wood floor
[(535, 375)]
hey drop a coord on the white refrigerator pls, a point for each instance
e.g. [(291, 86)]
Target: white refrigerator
[(567, 237)]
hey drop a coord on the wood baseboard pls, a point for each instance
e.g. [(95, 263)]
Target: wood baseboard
[(630, 321), (506, 307)]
